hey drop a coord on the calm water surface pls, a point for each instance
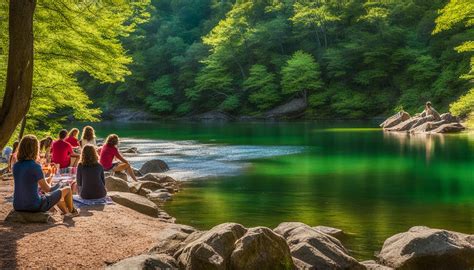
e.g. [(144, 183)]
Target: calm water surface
[(346, 175)]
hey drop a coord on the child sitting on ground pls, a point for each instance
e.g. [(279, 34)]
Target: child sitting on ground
[(27, 175)]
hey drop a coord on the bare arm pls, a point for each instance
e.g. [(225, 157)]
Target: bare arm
[(44, 185), (120, 157)]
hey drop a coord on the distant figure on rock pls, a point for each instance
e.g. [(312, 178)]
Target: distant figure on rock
[(429, 110)]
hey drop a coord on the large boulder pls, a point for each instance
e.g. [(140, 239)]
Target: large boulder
[(145, 262), (373, 265), (289, 109), (405, 125), (150, 185), (28, 217), (113, 183), (212, 250), (135, 202), (313, 249), (154, 166), (449, 128), (260, 248), (395, 119), (426, 248), (449, 118), (173, 238)]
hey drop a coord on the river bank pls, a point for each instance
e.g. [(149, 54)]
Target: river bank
[(117, 237)]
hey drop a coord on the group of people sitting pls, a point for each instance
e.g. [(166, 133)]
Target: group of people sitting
[(34, 165)]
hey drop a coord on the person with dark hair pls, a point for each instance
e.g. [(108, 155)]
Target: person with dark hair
[(109, 152), (45, 148), (90, 175), (62, 152), (27, 175), (88, 136), (72, 138)]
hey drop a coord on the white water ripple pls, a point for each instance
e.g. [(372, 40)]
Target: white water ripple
[(190, 160)]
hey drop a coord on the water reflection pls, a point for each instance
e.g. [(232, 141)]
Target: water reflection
[(426, 142)]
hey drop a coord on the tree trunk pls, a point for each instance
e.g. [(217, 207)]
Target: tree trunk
[(16, 100), (22, 128)]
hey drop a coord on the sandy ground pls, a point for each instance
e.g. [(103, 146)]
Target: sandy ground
[(99, 236)]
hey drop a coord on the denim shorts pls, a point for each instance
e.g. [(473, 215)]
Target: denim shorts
[(49, 200)]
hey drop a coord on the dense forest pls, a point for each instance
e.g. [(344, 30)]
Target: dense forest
[(348, 59)]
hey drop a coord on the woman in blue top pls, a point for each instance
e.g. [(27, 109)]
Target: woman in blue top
[(28, 175)]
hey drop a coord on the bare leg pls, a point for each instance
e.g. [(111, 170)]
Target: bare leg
[(125, 167), (66, 200)]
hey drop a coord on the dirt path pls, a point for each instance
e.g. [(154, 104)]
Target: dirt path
[(99, 236)]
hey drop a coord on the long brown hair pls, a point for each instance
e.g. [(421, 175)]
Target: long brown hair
[(112, 140), (28, 148), (46, 143), (88, 133), (73, 132), (89, 156)]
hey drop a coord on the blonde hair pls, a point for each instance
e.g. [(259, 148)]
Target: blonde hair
[(28, 148), (73, 132), (89, 156), (88, 133)]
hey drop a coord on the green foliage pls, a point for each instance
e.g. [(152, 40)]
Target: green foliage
[(262, 87), (301, 75), (362, 58), (73, 37)]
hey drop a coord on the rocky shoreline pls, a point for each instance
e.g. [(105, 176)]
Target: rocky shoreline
[(291, 245)]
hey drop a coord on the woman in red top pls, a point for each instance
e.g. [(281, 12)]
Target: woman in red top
[(110, 151), (72, 138)]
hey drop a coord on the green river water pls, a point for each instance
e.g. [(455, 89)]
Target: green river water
[(348, 175)]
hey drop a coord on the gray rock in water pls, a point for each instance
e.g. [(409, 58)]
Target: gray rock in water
[(330, 231), (113, 183), (135, 202), (145, 262), (449, 128), (161, 196), (259, 249), (156, 177), (426, 248), (373, 265), (154, 166), (395, 120), (131, 150), (212, 250), (28, 217), (315, 250)]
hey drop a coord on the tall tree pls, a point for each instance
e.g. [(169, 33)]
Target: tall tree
[(17, 96)]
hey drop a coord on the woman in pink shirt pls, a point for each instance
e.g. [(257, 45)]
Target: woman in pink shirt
[(110, 151)]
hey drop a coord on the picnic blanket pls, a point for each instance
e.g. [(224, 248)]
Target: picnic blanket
[(79, 202)]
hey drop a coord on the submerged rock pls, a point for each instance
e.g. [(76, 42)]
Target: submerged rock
[(154, 166), (337, 233), (426, 248), (135, 202), (260, 249), (313, 249), (145, 262), (212, 250)]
